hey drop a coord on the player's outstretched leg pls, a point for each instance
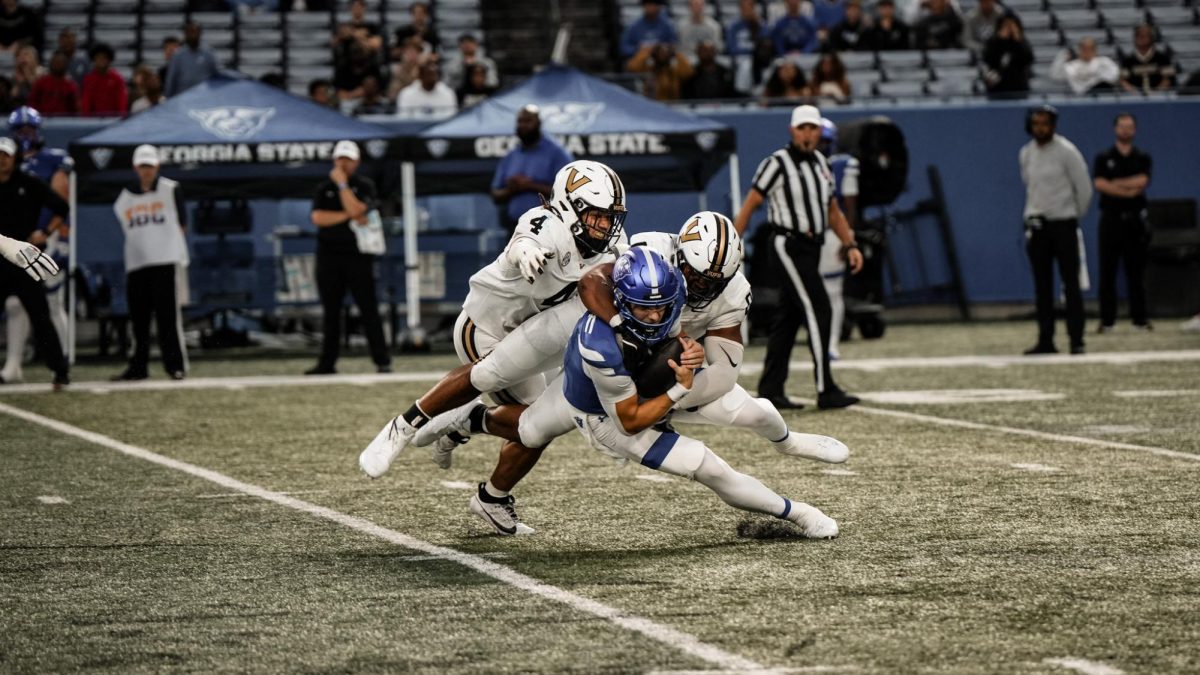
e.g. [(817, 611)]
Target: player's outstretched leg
[(747, 493)]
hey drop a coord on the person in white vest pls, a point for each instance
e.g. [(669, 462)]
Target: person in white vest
[(153, 217)]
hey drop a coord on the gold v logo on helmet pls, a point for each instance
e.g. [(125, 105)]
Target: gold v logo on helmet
[(692, 233), (576, 180)]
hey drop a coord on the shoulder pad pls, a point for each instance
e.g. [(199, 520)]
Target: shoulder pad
[(598, 344)]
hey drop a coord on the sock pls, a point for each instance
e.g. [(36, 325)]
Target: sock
[(491, 493), (478, 418), (415, 417)]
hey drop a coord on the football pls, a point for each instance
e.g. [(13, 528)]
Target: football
[(655, 377)]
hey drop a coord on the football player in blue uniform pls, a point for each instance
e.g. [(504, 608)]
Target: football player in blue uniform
[(833, 263), (53, 167)]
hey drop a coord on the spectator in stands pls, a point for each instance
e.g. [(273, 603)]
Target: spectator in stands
[(786, 84), (666, 71), (469, 54), (848, 35), (1150, 67), (829, 81), (351, 66), (320, 91), (526, 173), (711, 80), (827, 14), (475, 87), (150, 89), (170, 45), (980, 24), (104, 91), (55, 93), (19, 26), (78, 64), (764, 60), (372, 101), (406, 66), (1007, 60), (888, 33), (794, 32), (1084, 70), (27, 70), (365, 31), (743, 34), (420, 25), (191, 63), (428, 96), (941, 28), (653, 28), (697, 28), (7, 102)]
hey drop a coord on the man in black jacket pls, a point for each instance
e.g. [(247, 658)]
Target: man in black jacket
[(23, 197)]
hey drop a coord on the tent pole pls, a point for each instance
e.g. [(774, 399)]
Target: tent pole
[(412, 268), (703, 199), (735, 184), (72, 219)]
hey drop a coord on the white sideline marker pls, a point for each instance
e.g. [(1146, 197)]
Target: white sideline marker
[(52, 499), (1084, 666), (688, 644), (1035, 467)]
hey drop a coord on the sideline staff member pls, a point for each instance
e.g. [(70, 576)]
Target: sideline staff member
[(23, 197), (527, 171), (344, 197), (797, 185), (1122, 174), (153, 216), (1057, 192)]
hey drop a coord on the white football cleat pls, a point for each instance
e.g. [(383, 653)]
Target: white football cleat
[(502, 515), (813, 446), (377, 457), (458, 420), (813, 524)]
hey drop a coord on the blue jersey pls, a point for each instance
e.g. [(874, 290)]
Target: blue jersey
[(844, 166), (43, 164), (593, 343)]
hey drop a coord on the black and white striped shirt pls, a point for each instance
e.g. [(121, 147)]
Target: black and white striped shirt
[(798, 187)]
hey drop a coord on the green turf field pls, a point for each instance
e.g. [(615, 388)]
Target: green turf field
[(951, 560)]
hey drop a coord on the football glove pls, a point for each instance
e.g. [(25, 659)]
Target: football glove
[(529, 258), (28, 257)]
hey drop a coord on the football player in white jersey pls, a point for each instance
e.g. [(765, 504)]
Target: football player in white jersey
[(596, 395), (521, 308), (708, 252)]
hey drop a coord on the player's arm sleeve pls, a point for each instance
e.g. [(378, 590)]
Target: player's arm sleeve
[(1077, 170), (724, 357), (611, 388), (850, 179)]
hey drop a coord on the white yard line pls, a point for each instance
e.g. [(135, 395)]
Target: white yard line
[(236, 383), (688, 644), (1064, 438), (1084, 666), (52, 499), (1044, 468)]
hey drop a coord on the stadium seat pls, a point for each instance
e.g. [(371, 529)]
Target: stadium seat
[(119, 39), (903, 89), (171, 21), (949, 57), (901, 60), (914, 74), (1173, 16), (1024, 7), (863, 80), (127, 22), (1045, 85), (858, 60), (259, 57), (1043, 39), (1038, 21), (260, 37), (1072, 19), (77, 6), (308, 56), (174, 7), (951, 87), (1123, 18)]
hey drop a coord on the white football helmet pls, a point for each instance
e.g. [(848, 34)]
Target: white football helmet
[(709, 253), (586, 194)]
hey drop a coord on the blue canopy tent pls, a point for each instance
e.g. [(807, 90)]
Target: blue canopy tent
[(653, 147), (226, 138)]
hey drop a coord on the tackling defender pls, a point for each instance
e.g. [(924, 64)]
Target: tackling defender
[(522, 307), (596, 395)]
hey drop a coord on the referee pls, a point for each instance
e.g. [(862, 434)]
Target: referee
[(797, 185), (23, 197)]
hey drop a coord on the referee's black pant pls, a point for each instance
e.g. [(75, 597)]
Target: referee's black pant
[(151, 293), (1056, 241), (353, 272), (803, 301), (1124, 236), (14, 281)]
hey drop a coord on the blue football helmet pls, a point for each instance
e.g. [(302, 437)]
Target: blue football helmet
[(25, 123), (829, 133), (643, 278)]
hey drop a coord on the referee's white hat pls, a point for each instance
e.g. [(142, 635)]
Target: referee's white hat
[(806, 114)]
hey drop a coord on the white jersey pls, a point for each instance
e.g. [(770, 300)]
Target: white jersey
[(153, 226), (727, 310), (501, 299)]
